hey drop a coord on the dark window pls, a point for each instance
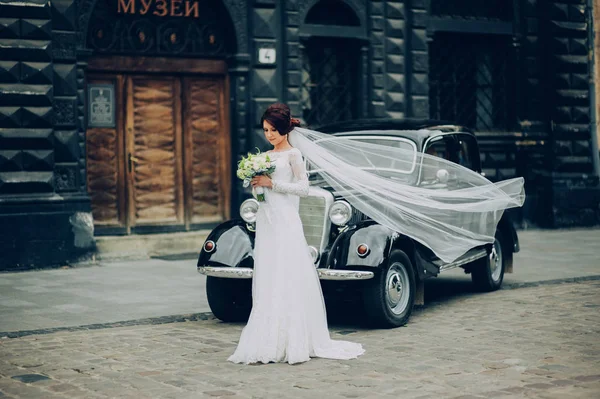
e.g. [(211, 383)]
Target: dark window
[(329, 80), (472, 80), (480, 9)]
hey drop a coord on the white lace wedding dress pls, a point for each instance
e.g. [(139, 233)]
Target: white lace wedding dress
[(288, 321)]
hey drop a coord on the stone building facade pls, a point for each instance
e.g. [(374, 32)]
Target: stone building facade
[(127, 116)]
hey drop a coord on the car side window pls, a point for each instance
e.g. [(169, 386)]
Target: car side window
[(439, 147), (466, 151)]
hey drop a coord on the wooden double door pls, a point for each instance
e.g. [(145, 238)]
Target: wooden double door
[(166, 163)]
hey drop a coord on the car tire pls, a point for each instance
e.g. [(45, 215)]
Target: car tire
[(230, 300), (389, 297), (487, 273)]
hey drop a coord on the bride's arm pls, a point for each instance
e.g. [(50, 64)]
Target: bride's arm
[(300, 186)]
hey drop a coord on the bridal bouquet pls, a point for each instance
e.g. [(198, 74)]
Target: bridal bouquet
[(255, 165)]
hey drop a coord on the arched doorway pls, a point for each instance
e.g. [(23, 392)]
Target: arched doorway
[(157, 140), (332, 63)]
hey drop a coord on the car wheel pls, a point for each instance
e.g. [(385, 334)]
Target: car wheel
[(230, 300), (390, 296), (487, 273)]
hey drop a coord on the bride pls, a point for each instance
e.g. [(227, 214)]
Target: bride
[(288, 321)]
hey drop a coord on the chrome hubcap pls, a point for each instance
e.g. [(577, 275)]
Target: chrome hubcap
[(397, 288), (496, 260)]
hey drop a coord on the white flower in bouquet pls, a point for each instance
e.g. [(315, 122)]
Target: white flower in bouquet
[(255, 165)]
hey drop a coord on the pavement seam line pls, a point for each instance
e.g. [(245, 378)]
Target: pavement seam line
[(209, 316)]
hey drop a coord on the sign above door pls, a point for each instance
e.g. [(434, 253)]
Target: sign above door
[(160, 8)]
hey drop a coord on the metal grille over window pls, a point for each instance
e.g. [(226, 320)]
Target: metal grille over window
[(472, 80), (329, 80)]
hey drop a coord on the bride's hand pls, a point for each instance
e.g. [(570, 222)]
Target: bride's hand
[(262, 181)]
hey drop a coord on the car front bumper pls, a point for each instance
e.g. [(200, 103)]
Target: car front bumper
[(246, 272)]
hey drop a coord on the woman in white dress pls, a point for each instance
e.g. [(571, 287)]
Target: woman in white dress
[(288, 322)]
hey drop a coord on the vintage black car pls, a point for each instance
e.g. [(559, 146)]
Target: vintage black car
[(354, 255)]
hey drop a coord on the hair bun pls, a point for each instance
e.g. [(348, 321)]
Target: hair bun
[(295, 122)]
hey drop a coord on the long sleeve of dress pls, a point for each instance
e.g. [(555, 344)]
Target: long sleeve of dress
[(300, 186)]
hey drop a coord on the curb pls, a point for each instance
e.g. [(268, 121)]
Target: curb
[(209, 316), (100, 326)]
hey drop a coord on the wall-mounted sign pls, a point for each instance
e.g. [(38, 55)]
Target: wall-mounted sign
[(101, 105), (267, 55), (160, 8)]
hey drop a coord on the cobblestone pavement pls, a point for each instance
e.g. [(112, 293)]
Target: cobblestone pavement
[(111, 292), (540, 342)]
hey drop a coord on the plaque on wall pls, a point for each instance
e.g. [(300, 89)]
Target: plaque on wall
[(101, 108)]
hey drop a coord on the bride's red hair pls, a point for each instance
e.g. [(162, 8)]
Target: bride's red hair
[(280, 117)]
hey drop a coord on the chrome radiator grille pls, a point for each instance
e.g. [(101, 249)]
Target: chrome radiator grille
[(313, 213)]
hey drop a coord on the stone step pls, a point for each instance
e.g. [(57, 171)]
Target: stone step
[(144, 246)]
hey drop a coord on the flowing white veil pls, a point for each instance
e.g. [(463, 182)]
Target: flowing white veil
[(444, 206)]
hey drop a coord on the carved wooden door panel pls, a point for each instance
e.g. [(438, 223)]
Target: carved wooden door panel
[(206, 150), (153, 145), (105, 169)]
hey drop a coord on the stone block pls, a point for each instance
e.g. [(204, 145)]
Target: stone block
[(376, 8), (264, 82), (65, 79), (36, 117), (419, 40), (9, 71), (11, 160), (37, 73), (36, 29), (394, 46), (580, 115), (578, 46), (394, 28), (577, 12), (264, 23), (420, 84), (10, 28), (394, 82), (30, 50), (38, 160), (64, 13), (395, 64), (26, 182), (377, 23), (395, 9), (26, 138), (20, 94), (66, 146), (394, 102)]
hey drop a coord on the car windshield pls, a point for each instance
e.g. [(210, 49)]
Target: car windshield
[(394, 169)]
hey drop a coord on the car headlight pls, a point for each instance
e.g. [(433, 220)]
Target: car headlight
[(314, 254), (340, 213), (248, 210)]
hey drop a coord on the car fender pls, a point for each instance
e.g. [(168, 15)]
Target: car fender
[(234, 246), (378, 238)]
